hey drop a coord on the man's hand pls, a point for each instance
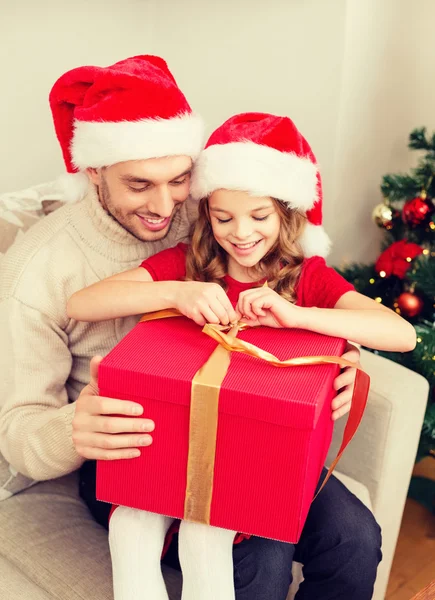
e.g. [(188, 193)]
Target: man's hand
[(98, 434), (344, 383)]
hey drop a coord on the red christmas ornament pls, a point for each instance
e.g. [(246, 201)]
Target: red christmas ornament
[(410, 305), (397, 258), (416, 210)]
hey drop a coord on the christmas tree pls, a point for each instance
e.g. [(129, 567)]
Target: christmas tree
[(403, 277)]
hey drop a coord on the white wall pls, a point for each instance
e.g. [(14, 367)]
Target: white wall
[(388, 89), (355, 76)]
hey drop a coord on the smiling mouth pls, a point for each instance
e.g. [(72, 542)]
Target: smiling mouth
[(153, 223), (153, 220), (246, 245)]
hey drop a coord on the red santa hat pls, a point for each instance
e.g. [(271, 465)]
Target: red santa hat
[(265, 155), (131, 110)]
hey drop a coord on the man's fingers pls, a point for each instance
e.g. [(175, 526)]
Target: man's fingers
[(346, 377), (340, 412), (94, 366), (343, 397), (101, 405), (105, 441), (351, 347), (110, 424), (100, 454), (352, 356)]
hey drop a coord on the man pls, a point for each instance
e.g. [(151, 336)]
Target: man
[(128, 134)]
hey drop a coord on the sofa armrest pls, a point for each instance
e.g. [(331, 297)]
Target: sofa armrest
[(382, 453)]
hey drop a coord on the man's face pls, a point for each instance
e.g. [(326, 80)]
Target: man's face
[(144, 195)]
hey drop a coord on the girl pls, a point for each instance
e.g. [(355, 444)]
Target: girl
[(260, 204)]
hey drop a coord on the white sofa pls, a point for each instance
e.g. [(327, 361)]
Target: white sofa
[(50, 547)]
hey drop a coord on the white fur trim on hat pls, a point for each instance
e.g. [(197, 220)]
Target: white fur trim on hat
[(315, 241), (259, 170), (101, 144), (72, 186)]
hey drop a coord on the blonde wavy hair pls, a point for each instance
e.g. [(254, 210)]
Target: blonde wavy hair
[(281, 266)]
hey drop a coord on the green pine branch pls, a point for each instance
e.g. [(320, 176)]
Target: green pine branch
[(359, 275), (423, 276), (402, 187), (419, 141)]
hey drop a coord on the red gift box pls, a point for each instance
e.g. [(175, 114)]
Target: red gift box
[(274, 425)]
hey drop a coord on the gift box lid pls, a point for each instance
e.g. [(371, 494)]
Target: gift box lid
[(158, 360)]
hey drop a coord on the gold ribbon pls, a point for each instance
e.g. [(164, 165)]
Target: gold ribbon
[(204, 406)]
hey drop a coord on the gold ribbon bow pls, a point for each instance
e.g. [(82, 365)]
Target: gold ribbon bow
[(206, 385)]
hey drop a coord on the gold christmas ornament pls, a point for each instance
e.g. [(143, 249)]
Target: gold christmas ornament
[(382, 215)]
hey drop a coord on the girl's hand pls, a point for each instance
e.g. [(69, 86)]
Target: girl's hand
[(204, 303), (263, 306)]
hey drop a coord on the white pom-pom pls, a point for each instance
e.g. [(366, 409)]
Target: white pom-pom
[(72, 186), (315, 241)]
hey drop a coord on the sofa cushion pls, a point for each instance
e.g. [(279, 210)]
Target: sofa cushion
[(52, 549), (49, 541)]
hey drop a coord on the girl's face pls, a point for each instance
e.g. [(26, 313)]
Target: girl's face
[(246, 227)]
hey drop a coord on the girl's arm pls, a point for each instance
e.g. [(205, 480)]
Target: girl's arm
[(360, 319), (129, 293), (354, 317), (134, 292)]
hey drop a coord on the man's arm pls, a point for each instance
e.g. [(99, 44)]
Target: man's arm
[(35, 420)]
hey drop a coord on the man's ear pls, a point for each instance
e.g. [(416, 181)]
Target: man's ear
[(94, 175)]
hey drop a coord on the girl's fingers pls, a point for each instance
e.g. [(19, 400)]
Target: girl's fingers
[(201, 313), (227, 314), (221, 314), (228, 308), (242, 304), (246, 303), (250, 322), (257, 310)]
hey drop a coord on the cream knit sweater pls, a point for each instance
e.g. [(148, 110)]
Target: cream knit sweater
[(44, 361)]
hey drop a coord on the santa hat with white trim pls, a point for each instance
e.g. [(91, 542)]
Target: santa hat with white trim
[(131, 110), (265, 155)]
